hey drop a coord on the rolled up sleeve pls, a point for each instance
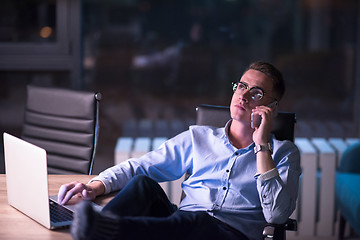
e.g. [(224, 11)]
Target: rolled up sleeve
[(278, 188)]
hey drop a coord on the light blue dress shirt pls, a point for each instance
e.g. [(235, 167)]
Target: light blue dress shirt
[(223, 179)]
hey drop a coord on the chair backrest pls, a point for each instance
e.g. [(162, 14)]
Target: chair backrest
[(349, 162), (217, 116), (65, 123)]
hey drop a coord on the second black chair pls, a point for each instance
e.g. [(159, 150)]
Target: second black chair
[(65, 123)]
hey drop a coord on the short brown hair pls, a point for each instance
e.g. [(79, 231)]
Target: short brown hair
[(272, 72)]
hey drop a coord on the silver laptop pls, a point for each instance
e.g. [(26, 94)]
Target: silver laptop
[(27, 184)]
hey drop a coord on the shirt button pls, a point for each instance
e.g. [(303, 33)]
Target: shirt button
[(227, 170), (236, 153), (224, 188)]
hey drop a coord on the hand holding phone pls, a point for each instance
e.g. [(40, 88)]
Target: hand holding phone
[(256, 119)]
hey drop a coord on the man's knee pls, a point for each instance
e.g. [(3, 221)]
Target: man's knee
[(142, 179), (144, 182)]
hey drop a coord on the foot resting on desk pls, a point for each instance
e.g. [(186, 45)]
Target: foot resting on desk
[(90, 224)]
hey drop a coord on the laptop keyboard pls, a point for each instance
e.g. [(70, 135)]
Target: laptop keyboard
[(59, 213)]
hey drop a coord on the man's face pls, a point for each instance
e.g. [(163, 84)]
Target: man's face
[(242, 102)]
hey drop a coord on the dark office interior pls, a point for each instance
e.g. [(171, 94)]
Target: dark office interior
[(158, 60)]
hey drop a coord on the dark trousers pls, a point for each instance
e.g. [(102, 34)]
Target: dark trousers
[(147, 213)]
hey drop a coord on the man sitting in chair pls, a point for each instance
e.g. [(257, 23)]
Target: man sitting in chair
[(241, 177)]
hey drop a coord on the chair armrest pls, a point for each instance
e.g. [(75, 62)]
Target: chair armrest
[(291, 225), (277, 231)]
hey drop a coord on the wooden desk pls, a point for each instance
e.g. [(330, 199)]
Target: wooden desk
[(16, 225)]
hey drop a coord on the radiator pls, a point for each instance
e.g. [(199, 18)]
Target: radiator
[(316, 208)]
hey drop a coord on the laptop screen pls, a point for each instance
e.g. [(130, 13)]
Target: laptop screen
[(26, 178)]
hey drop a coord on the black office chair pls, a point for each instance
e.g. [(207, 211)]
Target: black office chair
[(283, 129), (347, 192), (65, 123)]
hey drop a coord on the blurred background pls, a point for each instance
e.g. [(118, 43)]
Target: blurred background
[(159, 59)]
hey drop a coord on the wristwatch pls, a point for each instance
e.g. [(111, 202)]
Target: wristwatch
[(263, 148)]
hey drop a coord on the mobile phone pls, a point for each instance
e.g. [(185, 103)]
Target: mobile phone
[(256, 119)]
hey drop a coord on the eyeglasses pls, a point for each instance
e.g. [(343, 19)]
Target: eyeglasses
[(256, 93)]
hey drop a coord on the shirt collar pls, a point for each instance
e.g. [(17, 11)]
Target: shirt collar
[(227, 129)]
